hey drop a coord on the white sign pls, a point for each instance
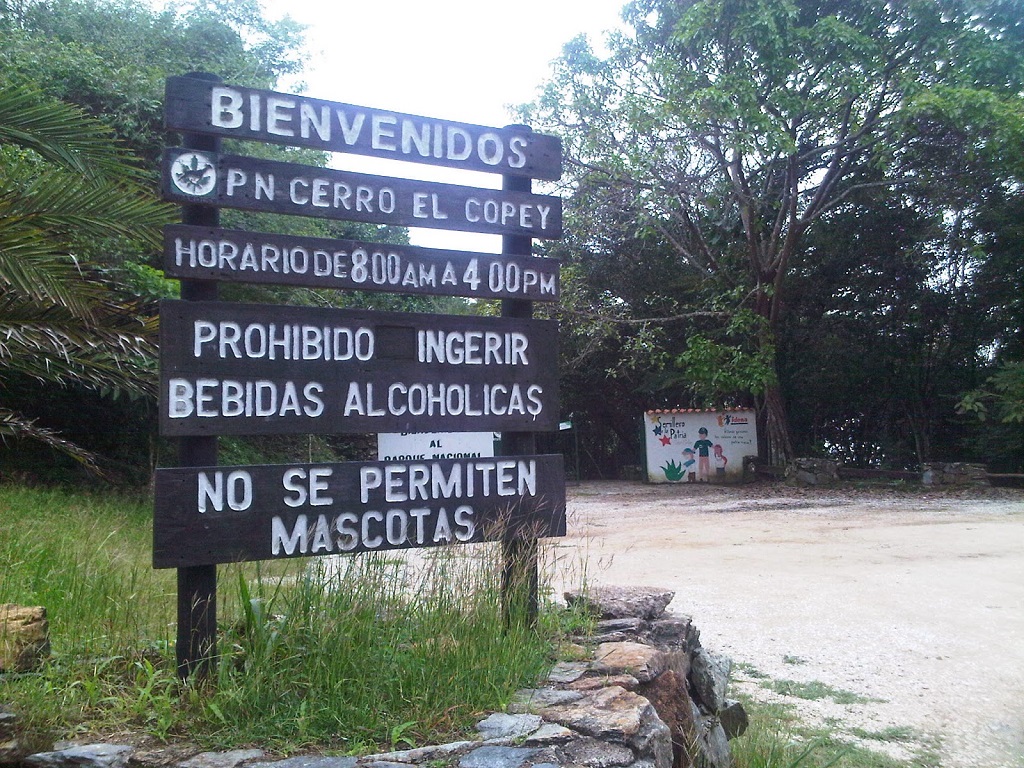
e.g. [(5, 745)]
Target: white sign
[(416, 446)]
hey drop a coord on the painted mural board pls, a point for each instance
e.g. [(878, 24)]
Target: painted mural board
[(698, 446)]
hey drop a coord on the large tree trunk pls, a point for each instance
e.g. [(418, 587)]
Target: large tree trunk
[(773, 421), (775, 427)]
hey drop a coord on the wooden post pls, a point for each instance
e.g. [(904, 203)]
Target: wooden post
[(519, 577), (196, 644)]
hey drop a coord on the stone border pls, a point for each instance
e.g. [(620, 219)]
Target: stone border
[(649, 696)]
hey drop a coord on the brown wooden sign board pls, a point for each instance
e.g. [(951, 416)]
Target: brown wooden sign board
[(204, 253), (202, 106), (209, 515), (248, 369), (194, 177)]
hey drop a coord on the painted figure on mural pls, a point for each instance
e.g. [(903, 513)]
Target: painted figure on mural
[(703, 450), (720, 460), (688, 461)]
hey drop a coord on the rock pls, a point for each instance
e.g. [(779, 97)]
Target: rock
[(567, 671), (84, 756), (597, 754), (310, 761), (614, 637), (622, 602), (807, 471), (548, 733), (644, 662), (667, 694), (610, 713), (502, 726), (653, 742), (709, 675), (497, 757), (229, 759), (618, 716), (733, 718), (954, 473), (712, 746), (8, 725), (627, 624), (672, 631), (535, 699), (24, 637), (11, 750), (628, 682), (423, 754)]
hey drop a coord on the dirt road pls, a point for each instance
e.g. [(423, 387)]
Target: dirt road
[(911, 602)]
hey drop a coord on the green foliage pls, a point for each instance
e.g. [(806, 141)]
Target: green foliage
[(373, 654), (777, 739), (351, 654), (111, 57), (1005, 396), (62, 183), (815, 690), (720, 373), (86, 557), (717, 143)]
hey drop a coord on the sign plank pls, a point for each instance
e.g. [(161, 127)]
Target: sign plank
[(248, 369), (193, 177), (210, 515), (202, 106), (203, 253)]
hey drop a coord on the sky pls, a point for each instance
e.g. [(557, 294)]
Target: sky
[(462, 60)]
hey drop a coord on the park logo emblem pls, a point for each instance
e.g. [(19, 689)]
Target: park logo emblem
[(194, 174)]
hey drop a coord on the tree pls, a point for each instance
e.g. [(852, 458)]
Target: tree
[(729, 129), (63, 182), (111, 58)]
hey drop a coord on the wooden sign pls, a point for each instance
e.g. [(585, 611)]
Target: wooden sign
[(209, 515), (245, 369), (194, 177), (202, 106), (202, 253)]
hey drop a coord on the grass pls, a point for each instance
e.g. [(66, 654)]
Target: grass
[(374, 652), (815, 690), (898, 733), (777, 739), (750, 670), (377, 653)]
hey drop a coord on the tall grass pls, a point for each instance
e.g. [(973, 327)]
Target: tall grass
[(776, 738), (377, 652), (86, 558), (347, 654)]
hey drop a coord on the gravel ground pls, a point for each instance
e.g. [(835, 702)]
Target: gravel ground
[(909, 602)]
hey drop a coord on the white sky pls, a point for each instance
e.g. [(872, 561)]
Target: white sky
[(463, 60)]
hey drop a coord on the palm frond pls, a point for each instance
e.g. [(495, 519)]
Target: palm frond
[(114, 353), (14, 425), (61, 133)]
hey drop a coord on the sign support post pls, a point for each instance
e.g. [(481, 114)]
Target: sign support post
[(196, 644), (519, 577)]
